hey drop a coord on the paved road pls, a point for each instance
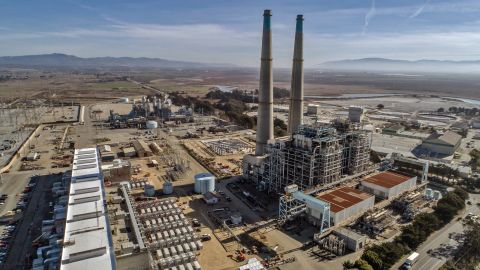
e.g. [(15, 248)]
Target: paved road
[(439, 247), (85, 134)]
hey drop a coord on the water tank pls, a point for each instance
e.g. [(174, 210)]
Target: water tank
[(117, 162), (149, 190), (236, 219), (124, 99), (167, 188), (429, 193), (437, 195), (204, 182), (152, 124)]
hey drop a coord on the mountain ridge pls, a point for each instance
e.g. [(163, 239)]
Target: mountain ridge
[(66, 60)]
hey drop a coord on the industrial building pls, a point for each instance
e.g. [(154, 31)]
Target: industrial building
[(119, 170), (387, 185), (142, 148), (313, 109), (346, 202), (87, 238), (356, 114), (313, 156), (353, 241), (442, 144), (129, 152)]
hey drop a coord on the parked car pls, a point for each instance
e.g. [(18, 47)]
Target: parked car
[(206, 237)]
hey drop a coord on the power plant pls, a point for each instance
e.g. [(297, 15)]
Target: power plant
[(313, 155), (149, 108), (322, 174)]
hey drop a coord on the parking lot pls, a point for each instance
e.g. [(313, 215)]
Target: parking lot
[(33, 206)]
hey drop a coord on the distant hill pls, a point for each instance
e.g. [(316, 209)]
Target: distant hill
[(393, 65), (71, 61)]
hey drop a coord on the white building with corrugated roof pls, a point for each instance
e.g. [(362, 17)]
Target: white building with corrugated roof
[(87, 238), (443, 144)]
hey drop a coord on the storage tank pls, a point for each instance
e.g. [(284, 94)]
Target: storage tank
[(152, 124), (204, 182), (149, 190), (236, 219), (124, 100), (167, 188), (429, 193), (437, 195)]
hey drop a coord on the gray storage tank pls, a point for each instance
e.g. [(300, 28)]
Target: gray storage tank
[(204, 182)]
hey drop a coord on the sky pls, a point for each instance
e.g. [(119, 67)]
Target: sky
[(227, 31)]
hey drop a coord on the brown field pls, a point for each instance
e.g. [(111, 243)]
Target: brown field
[(112, 84)]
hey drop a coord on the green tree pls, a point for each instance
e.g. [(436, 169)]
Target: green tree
[(363, 265), (462, 193), (373, 259), (348, 265), (445, 212), (380, 106), (441, 110)]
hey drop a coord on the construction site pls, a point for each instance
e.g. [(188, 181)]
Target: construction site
[(223, 156)]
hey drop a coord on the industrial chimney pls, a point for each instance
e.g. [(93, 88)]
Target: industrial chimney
[(295, 117), (265, 93)]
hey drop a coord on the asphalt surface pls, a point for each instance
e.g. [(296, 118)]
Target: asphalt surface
[(441, 245), (30, 225)]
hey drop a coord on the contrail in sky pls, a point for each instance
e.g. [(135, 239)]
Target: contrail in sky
[(370, 14), (419, 10)]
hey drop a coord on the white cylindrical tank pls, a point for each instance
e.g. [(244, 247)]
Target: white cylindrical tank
[(204, 182), (124, 99), (149, 190), (429, 193), (167, 188), (437, 195), (236, 219), (152, 124)]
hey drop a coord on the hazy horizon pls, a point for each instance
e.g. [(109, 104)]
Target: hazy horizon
[(229, 32)]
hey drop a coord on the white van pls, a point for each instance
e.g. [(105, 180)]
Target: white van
[(410, 260)]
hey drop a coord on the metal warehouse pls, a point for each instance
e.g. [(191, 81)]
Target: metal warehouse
[(346, 202), (388, 184)]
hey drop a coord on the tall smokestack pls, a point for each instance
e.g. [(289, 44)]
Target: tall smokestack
[(295, 117), (265, 93)]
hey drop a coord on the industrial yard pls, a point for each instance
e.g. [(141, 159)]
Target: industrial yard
[(183, 172)]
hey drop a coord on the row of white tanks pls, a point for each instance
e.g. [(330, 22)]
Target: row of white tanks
[(431, 194), (150, 189)]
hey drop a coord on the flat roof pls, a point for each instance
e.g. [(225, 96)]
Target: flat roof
[(343, 197), (387, 179), (88, 243)]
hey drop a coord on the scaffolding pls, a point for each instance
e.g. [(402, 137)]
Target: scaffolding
[(295, 202), (333, 244), (314, 156)]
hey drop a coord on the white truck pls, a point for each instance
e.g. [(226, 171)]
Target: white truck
[(410, 260)]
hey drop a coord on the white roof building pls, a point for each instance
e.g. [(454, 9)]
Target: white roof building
[(87, 239)]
